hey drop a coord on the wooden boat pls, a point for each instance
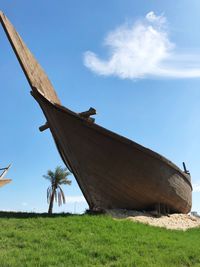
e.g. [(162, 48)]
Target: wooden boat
[(111, 170), (2, 175)]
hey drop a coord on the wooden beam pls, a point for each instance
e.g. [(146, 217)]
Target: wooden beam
[(86, 114), (44, 127), (35, 75)]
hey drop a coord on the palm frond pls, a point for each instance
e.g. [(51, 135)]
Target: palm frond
[(47, 177), (56, 195), (49, 193), (62, 195), (59, 199), (50, 176)]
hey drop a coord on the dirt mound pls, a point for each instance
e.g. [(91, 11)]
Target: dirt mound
[(171, 221)]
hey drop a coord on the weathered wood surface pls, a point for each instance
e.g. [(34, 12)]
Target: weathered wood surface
[(88, 113), (112, 171), (44, 127), (33, 71), (115, 172)]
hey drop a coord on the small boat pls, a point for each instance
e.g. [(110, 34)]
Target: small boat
[(111, 170), (2, 175)]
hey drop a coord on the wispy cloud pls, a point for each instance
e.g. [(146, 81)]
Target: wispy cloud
[(196, 187), (141, 50), (73, 199)]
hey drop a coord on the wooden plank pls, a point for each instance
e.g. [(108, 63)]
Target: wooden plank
[(35, 75), (4, 182)]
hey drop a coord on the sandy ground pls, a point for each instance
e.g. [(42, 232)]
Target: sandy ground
[(172, 221)]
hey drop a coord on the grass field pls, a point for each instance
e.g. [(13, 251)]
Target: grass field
[(75, 240)]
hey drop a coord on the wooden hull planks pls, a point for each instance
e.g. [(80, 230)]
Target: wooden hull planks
[(33, 71), (112, 171)]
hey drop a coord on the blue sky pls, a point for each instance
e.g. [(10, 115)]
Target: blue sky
[(148, 96)]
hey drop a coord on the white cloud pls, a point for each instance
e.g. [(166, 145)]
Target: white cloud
[(73, 199), (153, 18), (196, 187), (141, 50)]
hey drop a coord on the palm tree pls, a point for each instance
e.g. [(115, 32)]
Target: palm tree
[(54, 191)]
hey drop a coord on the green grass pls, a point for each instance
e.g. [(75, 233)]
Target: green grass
[(75, 240)]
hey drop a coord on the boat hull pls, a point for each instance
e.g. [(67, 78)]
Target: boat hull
[(112, 171)]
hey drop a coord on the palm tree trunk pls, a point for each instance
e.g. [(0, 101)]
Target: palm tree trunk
[(51, 202)]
